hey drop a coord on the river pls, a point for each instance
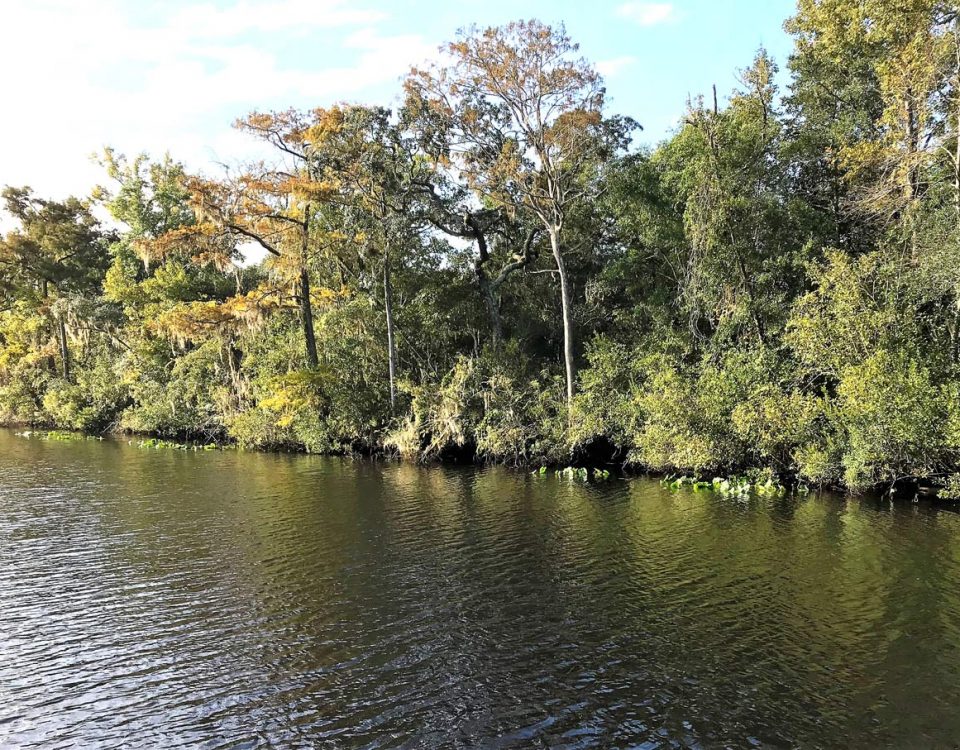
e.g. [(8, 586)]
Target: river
[(167, 599)]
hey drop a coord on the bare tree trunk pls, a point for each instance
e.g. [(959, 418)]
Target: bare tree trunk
[(306, 318), (493, 306), (566, 305), (391, 346), (64, 348), (306, 306), (233, 356), (956, 153), (488, 289), (956, 131)]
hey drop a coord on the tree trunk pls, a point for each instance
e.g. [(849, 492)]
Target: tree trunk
[(956, 154), (64, 348), (51, 361), (306, 318), (953, 331), (956, 112), (234, 357), (488, 289), (306, 306), (391, 346), (566, 305), (492, 305)]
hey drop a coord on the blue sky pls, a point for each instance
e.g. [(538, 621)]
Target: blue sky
[(152, 75)]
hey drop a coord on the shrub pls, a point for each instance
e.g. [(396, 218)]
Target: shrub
[(894, 417), (185, 397), (689, 412), (608, 403)]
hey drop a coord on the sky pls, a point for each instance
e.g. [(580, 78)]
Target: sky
[(172, 76)]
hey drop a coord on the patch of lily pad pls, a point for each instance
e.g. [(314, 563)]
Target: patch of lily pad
[(738, 485), (574, 473)]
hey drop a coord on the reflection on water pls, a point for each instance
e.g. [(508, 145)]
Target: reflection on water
[(166, 599)]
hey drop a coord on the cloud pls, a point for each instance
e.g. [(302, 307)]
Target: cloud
[(143, 77), (611, 67), (647, 14), (301, 16)]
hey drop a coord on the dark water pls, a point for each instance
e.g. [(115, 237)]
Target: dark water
[(168, 600)]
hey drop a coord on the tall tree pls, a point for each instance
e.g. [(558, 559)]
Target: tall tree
[(362, 156), (520, 116), (57, 252), (502, 247), (724, 165), (904, 55), (270, 205)]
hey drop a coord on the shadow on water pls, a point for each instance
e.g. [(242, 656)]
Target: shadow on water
[(222, 599)]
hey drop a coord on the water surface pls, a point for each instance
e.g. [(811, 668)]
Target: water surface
[(155, 598)]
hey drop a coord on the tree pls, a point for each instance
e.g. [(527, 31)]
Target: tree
[(363, 158), (906, 57), (272, 206), (58, 251), (520, 116), (497, 239), (894, 70), (743, 238), (833, 102)]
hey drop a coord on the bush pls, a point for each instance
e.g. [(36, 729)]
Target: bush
[(186, 397), (689, 412), (92, 403), (895, 420), (608, 402), (340, 406), (442, 416), (496, 403), (775, 423)]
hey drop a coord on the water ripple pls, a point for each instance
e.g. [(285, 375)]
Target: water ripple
[(161, 599)]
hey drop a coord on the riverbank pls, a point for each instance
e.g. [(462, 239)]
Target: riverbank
[(763, 482), (167, 598)]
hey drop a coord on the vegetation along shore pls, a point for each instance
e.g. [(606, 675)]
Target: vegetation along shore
[(493, 271)]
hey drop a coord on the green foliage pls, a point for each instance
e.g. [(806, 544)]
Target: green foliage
[(698, 418), (159, 444), (340, 406), (58, 436), (496, 404), (894, 417), (856, 308), (761, 482), (581, 473), (949, 487), (610, 388), (183, 398), (866, 333), (776, 423), (92, 403), (443, 416), (770, 298)]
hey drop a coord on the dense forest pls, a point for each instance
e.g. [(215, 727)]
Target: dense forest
[(493, 270)]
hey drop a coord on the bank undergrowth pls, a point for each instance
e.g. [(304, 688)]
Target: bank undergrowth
[(774, 290)]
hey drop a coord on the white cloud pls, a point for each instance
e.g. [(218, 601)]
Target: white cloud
[(79, 76), (611, 67), (647, 14), (298, 16)]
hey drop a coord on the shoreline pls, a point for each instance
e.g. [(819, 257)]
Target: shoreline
[(733, 485)]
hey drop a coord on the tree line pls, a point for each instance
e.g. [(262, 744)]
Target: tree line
[(492, 270)]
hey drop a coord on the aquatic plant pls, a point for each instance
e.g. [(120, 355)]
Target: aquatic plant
[(57, 435), (159, 444), (577, 473), (760, 483)]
